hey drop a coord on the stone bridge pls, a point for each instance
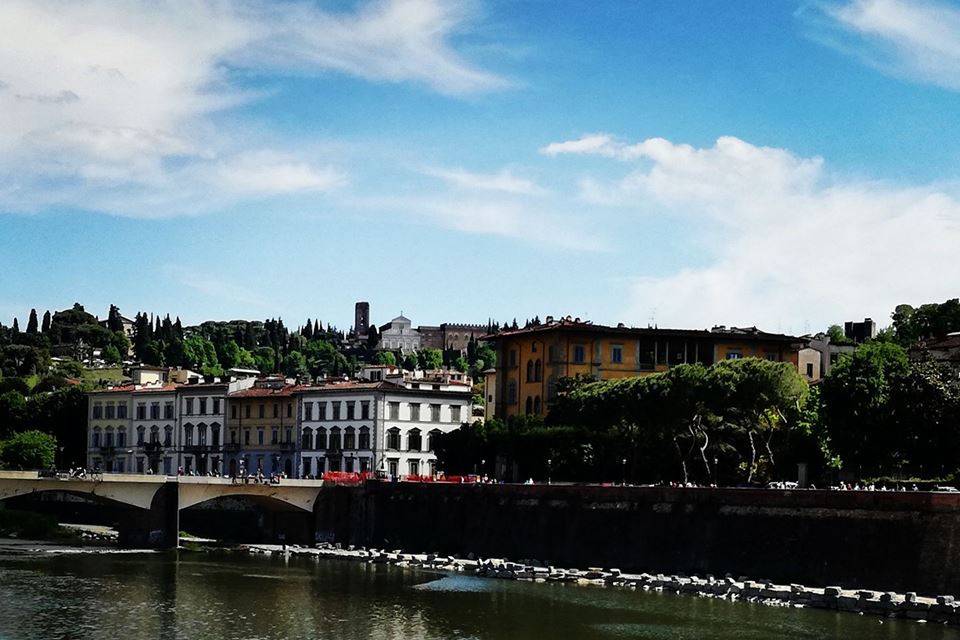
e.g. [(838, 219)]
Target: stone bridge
[(155, 502)]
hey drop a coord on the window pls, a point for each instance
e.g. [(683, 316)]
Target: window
[(122, 411), (139, 465), (141, 411), (215, 435), (203, 406), (154, 435), (168, 437), (189, 406), (529, 370), (512, 392), (96, 438), (432, 438), (365, 410), (335, 443), (772, 357), (233, 436), (259, 436), (188, 434), (110, 410), (616, 354), (455, 413), (351, 409), (289, 409), (322, 411), (364, 465), (273, 436), (393, 440), (246, 436), (392, 466), (308, 411), (261, 410), (140, 433), (321, 442), (288, 436), (168, 410), (97, 411), (349, 438), (415, 412), (513, 357), (364, 440), (529, 405), (809, 369), (435, 413), (202, 435), (394, 410), (246, 411), (734, 355), (122, 438), (307, 467), (336, 410), (536, 406), (306, 440), (414, 441), (233, 412), (108, 437), (216, 405), (537, 371), (414, 467), (578, 354), (276, 409)]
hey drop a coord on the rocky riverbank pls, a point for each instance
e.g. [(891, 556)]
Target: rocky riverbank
[(888, 604)]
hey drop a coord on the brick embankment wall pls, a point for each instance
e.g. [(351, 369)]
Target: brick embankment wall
[(875, 540)]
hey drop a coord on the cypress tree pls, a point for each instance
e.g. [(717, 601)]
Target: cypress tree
[(16, 326), (46, 322), (32, 322)]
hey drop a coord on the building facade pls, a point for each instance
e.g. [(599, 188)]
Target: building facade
[(399, 334), (530, 361), (202, 409), (261, 424), (109, 427)]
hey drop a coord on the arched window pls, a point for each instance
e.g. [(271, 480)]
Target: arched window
[(512, 392), (536, 405), (321, 442), (202, 434), (551, 387), (96, 437), (155, 434), (306, 439), (335, 443), (188, 434), (393, 439), (432, 438), (529, 370), (364, 439), (108, 437), (414, 441), (140, 435), (529, 405), (168, 436), (122, 437), (537, 371), (349, 438), (215, 434)]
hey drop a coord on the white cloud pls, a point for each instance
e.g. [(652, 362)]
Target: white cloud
[(786, 241), (108, 105), (503, 181), (917, 40)]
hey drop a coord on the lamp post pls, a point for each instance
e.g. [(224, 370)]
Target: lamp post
[(624, 470), (549, 469), (716, 473)]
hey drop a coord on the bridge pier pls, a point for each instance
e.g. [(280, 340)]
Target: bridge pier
[(157, 527)]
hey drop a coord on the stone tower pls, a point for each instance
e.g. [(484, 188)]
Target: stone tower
[(361, 319)]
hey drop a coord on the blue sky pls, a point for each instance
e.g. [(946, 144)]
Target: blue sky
[(781, 164)]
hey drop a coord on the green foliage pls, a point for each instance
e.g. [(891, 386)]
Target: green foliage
[(430, 359), (13, 406), (926, 321), (28, 450), (837, 336), (111, 355), (385, 357), (295, 365), (410, 362), (461, 364)]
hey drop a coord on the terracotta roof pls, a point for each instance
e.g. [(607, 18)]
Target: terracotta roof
[(751, 333)]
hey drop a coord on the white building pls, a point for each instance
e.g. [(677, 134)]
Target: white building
[(399, 334), (109, 429), (143, 438), (378, 426)]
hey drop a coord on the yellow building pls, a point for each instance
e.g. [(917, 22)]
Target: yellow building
[(262, 429), (531, 360)]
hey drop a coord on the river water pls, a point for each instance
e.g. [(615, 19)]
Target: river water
[(192, 595)]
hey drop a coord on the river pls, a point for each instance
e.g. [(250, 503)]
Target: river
[(194, 595)]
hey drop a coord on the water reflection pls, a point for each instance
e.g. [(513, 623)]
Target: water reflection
[(198, 596)]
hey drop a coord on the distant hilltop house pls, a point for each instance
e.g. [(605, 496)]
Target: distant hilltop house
[(945, 350), (399, 334), (531, 360)]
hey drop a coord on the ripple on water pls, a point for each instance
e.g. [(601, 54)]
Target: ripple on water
[(457, 584)]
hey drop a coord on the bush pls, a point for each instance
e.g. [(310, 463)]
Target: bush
[(28, 450)]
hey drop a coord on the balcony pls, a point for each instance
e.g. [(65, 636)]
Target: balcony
[(200, 449)]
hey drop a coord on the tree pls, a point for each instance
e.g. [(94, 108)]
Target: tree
[(12, 412), (111, 355), (410, 362), (45, 327), (430, 359), (28, 450), (32, 322), (114, 321), (16, 326), (837, 336), (295, 365), (385, 357), (461, 364)]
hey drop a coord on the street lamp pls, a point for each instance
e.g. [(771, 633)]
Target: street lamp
[(624, 469), (549, 469), (716, 472)]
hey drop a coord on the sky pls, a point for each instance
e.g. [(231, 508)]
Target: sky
[(787, 165)]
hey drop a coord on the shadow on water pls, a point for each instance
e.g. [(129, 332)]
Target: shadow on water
[(190, 595)]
